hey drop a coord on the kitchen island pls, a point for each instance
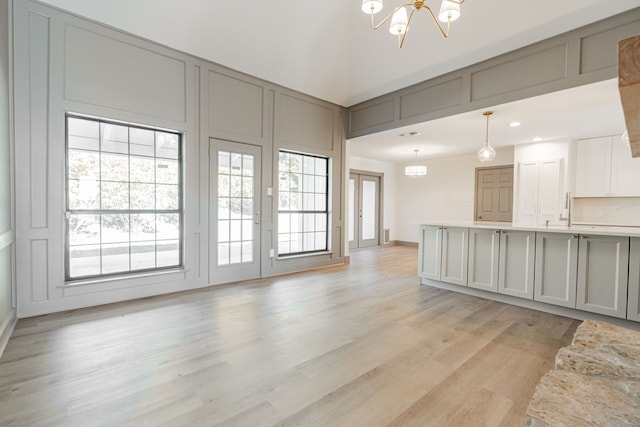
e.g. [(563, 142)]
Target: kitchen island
[(584, 272)]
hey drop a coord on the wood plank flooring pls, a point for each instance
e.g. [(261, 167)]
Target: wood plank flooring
[(355, 345)]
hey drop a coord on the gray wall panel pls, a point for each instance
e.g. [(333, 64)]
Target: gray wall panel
[(546, 66), (7, 235), (104, 71), (39, 117), (370, 115), (235, 106), (304, 122), (39, 270), (596, 52), (433, 98)]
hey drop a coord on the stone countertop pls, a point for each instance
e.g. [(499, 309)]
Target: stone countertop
[(507, 226), (596, 381)]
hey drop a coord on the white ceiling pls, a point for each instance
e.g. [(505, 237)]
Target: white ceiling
[(326, 49)]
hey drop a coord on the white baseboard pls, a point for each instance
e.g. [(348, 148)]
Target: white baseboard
[(6, 329)]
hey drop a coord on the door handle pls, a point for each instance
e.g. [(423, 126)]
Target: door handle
[(257, 217)]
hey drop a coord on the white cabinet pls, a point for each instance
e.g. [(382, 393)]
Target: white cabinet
[(633, 308), (603, 264), (593, 167), (625, 171), (455, 255), (556, 269), (443, 254), (594, 273), (540, 192), (516, 266), (604, 168), (584, 272), (502, 261), (484, 250), (430, 252)]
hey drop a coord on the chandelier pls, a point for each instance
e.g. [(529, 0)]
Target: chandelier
[(416, 170), (400, 19), (487, 153)]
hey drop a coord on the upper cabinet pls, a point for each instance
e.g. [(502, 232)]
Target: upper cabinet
[(605, 168), (541, 192)]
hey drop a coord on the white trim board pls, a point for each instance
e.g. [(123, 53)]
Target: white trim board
[(6, 329), (7, 238)]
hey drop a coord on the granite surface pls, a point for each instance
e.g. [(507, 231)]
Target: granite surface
[(596, 381), (565, 398)]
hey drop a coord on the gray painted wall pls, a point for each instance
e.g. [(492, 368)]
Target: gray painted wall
[(7, 314), (64, 63), (582, 56)]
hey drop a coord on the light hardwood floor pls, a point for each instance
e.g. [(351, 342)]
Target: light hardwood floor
[(355, 345)]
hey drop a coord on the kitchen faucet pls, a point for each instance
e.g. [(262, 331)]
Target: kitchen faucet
[(567, 206)]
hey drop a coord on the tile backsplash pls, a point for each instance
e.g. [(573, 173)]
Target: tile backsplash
[(615, 211)]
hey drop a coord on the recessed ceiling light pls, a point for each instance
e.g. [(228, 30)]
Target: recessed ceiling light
[(412, 133), (537, 139), (514, 124)]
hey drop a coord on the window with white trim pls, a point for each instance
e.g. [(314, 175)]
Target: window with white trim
[(123, 198), (303, 196)]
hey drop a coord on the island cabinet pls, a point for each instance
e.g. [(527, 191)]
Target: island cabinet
[(633, 310), (455, 255), (430, 252), (516, 266), (502, 261), (484, 252), (443, 254), (584, 272), (603, 268), (556, 269)]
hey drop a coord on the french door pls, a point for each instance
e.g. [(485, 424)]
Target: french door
[(364, 210), (234, 211)]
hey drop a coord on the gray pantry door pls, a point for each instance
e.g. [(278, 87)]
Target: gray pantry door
[(364, 210), (234, 211)]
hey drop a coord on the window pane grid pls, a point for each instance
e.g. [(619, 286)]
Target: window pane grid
[(124, 207), (235, 207), (302, 203)]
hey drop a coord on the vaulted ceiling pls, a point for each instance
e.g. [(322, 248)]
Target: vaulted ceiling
[(326, 49)]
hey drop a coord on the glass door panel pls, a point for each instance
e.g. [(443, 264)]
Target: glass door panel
[(364, 210), (235, 219)]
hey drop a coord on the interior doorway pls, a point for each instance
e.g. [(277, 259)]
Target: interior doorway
[(364, 209), (494, 194)]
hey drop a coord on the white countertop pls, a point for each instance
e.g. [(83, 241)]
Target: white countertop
[(578, 229)]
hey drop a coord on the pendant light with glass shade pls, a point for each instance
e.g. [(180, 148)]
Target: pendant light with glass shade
[(415, 170), (487, 153), (625, 139)]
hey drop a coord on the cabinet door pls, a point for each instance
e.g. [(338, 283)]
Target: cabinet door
[(633, 311), (556, 269), (625, 170), (603, 265), (550, 192), (454, 255), (430, 252), (593, 167), (516, 266), (527, 193), (484, 245)]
